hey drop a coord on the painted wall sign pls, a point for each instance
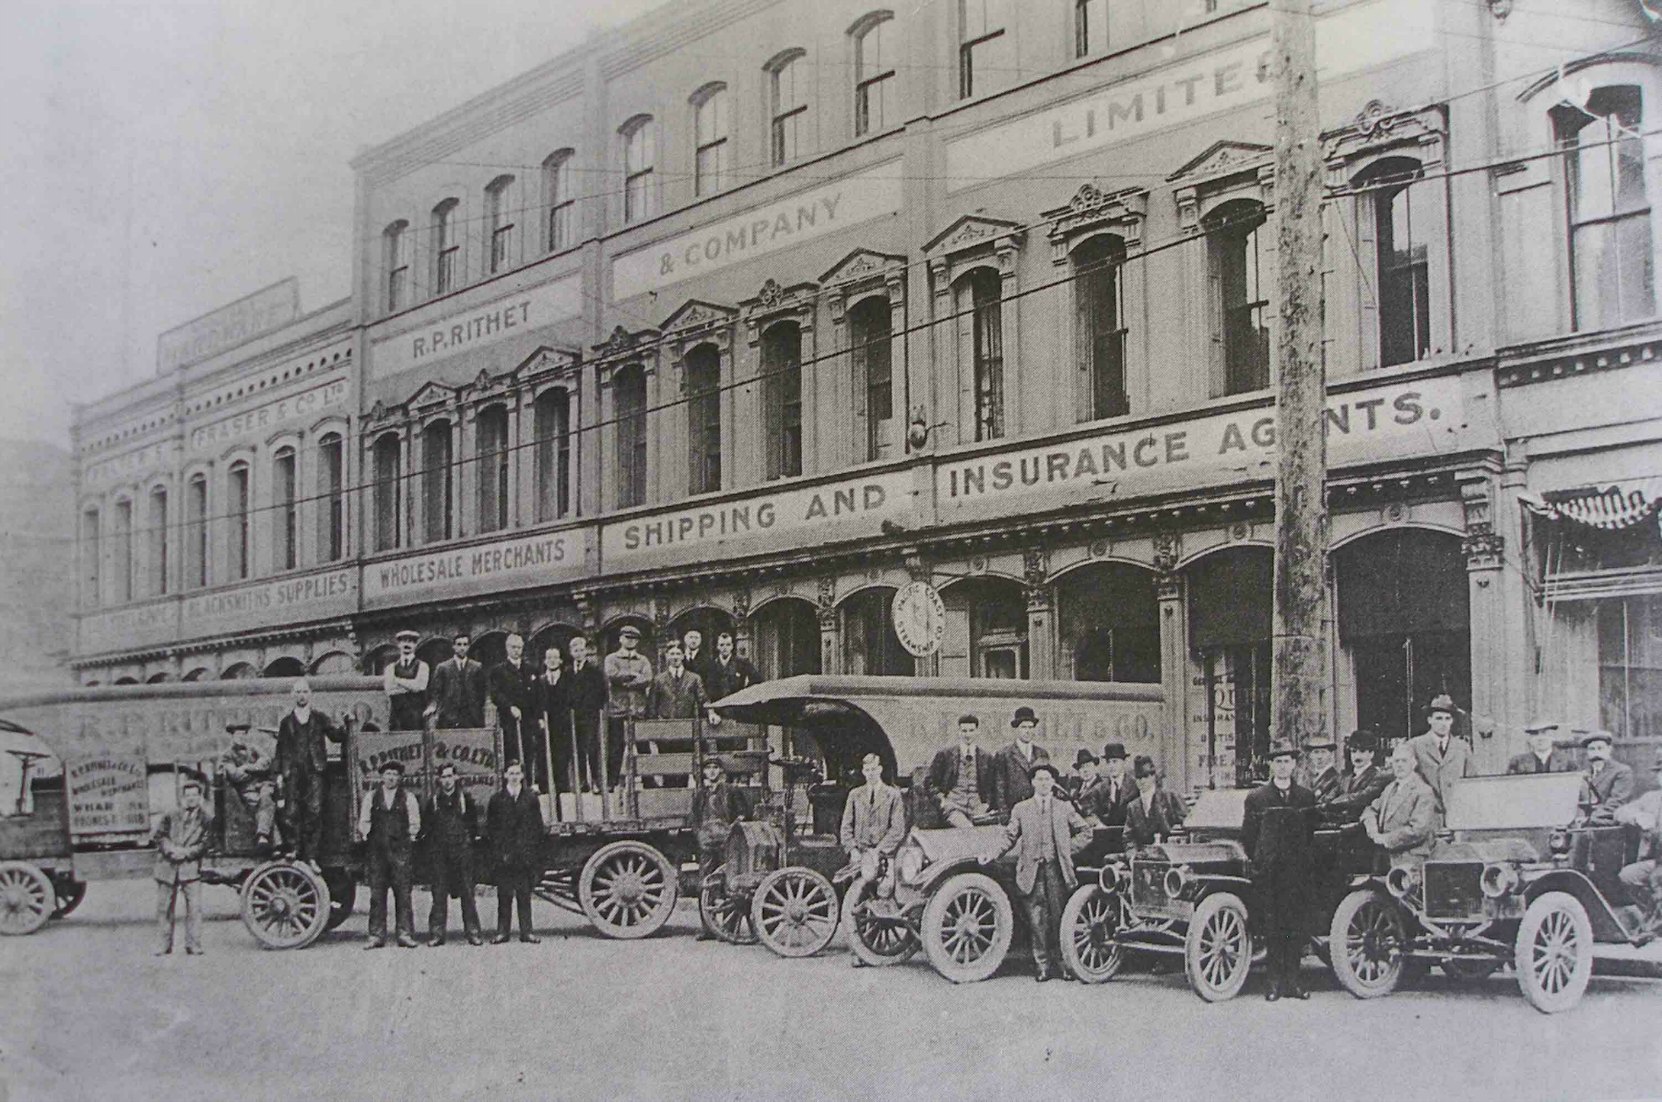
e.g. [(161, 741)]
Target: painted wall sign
[(129, 465), (281, 601), (129, 627), (759, 231), (108, 794), (831, 511), (479, 327), (241, 321), (257, 422), (528, 561), (1347, 41)]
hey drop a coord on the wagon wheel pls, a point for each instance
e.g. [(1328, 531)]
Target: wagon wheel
[(627, 889), (878, 933), (285, 905), (967, 926), (1090, 922), (69, 892), (1365, 943), (1554, 952), (1469, 969), (1217, 950), (343, 892), (26, 898), (724, 916), (794, 912)]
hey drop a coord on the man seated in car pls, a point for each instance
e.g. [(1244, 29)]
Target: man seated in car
[(1358, 788), (1152, 813), (961, 776), (1403, 819), (1643, 878), (249, 773)]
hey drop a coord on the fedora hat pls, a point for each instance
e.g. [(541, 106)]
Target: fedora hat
[(1281, 748)]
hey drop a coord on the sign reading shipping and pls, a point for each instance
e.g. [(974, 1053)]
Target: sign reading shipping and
[(1356, 38), (759, 231), (229, 326), (1419, 418), (510, 316), (529, 561), (828, 512), (305, 405), (285, 601), (108, 794)]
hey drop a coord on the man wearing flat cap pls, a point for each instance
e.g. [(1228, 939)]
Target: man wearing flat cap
[(1441, 758), (1362, 785), (1542, 756), (249, 773), (389, 819), (961, 776), (1609, 783), (405, 683), (1278, 834), (1042, 830), (628, 679), (1643, 878), (716, 806), (1013, 765)]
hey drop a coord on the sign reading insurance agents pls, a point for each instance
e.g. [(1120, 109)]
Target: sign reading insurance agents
[(759, 231)]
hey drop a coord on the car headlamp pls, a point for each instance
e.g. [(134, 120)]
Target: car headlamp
[(1178, 877), (1499, 880), (1113, 877), (1400, 882), (909, 865)]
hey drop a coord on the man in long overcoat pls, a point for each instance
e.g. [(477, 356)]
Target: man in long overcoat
[(452, 822), (513, 823), (1278, 833), (1441, 758), (301, 759)]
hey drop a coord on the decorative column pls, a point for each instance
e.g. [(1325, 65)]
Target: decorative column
[(1041, 614), (830, 628), (1492, 708), (1184, 758), (741, 623)]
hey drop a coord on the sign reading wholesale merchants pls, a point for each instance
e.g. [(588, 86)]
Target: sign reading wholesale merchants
[(1346, 41), (832, 511), (509, 316), (518, 563), (108, 794), (241, 321), (759, 231), (283, 601)]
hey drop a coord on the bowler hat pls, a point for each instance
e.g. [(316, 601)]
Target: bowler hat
[(1083, 757), (629, 631), (1322, 744), (1281, 748), (407, 634), (395, 766), (1442, 702), (1113, 750), (1024, 714), (1597, 736), (967, 718), (1044, 767), (1362, 740)]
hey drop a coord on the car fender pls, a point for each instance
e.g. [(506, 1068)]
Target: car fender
[(1606, 925)]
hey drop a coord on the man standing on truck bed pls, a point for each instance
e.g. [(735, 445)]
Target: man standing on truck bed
[(301, 759), (405, 682)]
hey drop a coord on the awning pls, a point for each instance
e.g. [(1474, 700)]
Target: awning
[(1611, 508)]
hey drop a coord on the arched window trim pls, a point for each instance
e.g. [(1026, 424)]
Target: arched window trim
[(198, 563), (395, 263), (782, 402), (639, 155), (158, 524), (499, 212), (787, 106), (331, 500), (495, 467), (1100, 350), (239, 523), (386, 494), (438, 494), (285, 515), (553, 450), (874, 82), (983, 330), (559, 201), (711, 147), (1240, 300), (631, 433), (704, 400), (447, 247)]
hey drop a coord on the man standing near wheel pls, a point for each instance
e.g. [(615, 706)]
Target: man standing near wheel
[(1278, 833), (389, 820), (1043, 826), (452, 822), (716, 806), (514, 825), (302, 757), (180, 838), (873, 818)]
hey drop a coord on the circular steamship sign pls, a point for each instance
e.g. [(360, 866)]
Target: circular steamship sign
[(919, 618)]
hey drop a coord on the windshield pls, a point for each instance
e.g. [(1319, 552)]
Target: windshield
[(1514, 802)]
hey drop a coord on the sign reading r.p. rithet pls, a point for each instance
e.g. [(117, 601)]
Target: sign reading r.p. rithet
[(466, 330)]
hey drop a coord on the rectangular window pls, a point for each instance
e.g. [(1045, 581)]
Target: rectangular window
[(553, 423), (640, 152), (874, 82), (493, 469), (446, 248), (1090, 28), (388, 493), (158, 542), (501, 222), (331, 483), (1404, 281), (196, 532), (1610, 236), (790, 110), (981, 340), (1102, 337), (560, 201), (703, 368), (286, 512), (711, 156), (92, 550), (872, 355), (437, 504), (397, 246), (1630, 666), (782, 399), (1246, 336), (240, 520), (122, 574), (981, 45), (631, 436)]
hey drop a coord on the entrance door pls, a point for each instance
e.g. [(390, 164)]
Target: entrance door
[(1238, 712), (1397, 675)]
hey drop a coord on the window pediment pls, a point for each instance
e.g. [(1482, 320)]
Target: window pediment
[(1379, 127), (860, 266), (773, 302), (547, 361), (431, 397), (974, 231), (1090, 210), (1224, 170), (624, 343), (696, 318)]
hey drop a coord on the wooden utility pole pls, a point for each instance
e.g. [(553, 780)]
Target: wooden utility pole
[(1298, 686)]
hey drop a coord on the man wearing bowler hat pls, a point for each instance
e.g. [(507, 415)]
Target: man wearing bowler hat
[(1013, 765), (1441, 758), (1278, 834), (1041, 830), (1085, 778), (1543, 756), (1362, 785), (1115, 791), (389, 820), (1609, 782)]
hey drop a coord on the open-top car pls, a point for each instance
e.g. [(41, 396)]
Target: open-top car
[(1519, 878)]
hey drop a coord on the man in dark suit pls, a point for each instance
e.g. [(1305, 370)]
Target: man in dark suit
[(588, 699), (1278, 834), (513, 824), (1543, 756), (961, 776), (456, 691), (510, 686), (1325, 780), (728, 672), (1151, 813), (677, 692), (1041, 831), (389, 820), (1115, 790), (452, 822), (1609, 782), (1014, 763), (301, 759), (1362, 785), (551, 707), (697, 657)]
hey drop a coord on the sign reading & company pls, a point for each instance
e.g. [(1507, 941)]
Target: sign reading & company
[(512, 315), (532, 560)]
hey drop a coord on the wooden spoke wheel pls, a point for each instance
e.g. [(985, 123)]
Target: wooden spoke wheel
[(27, 898), (627, 890), (723, 916), (1365, 944), (343, 893), (794, 912), (878, 932), (285, 905), (967, 926), (1090, 922), (1554, 952), (1217, 950), (69, 893)]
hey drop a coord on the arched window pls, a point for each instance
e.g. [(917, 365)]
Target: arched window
[(239, 519), (1090, 27), (703, 368), (980, 316), (1240, 298), (492, 427), (196, 531), (157, 524), (553, 428), (387, 492), (558, 200), (92, 551), (446, 247), (1100, 322), (874, 80), (982, 46), (871, 356), (1611, 249), (629, 388), (121, 572), (499, 211), (787, 105), (1393, 224), (712, 151), (782, 399), (640, 156), (285, 512), (331, 484), (395, 252), (437, 459)]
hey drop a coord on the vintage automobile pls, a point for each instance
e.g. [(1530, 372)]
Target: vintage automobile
[(1519, 878), (1191, 896), (934, 895)]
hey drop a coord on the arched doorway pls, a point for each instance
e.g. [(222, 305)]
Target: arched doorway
[(435, 650), (285, 667), (1230, 611), (488, 648), (200, 673), (377, 660), (870, 645), (1404, 617), (706, 620), (237, 671), (557, 636), (786, 638), (1109, 621), (335, 662), (647, 644), (986, 629)]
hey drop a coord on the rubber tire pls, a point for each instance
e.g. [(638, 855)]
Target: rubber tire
[(68, 900), (642, 860), (737, 931), (274, 891), (1554, 914), (950, 896), (343, 894), (31, 898), (1225, 909), (900, 953), (1341, 960), (1088, 909), (771, 921)]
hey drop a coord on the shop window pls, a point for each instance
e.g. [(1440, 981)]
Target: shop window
[(782, 399), (395, 251), (196, 531), (703, 368), (500, 216), (285, 511), (1229, 631), (1100, 325), (157, 524), (712, 151), (331, 486), (492, 427), (121, 540), (870, 645), (630, 399), (640, 156), (1090, 28), (980, 317), (1609, 208), (387, 493), (787, 638), (1630, 666), (558, 200), (787, 106), (240, 520), (447, 247), (874, 75), (437, 459), (872, 353), (553, 428), (982, 45), (1240, 298)]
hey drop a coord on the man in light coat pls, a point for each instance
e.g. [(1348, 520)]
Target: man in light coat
[(1041, 830), (181, 838), (1441, 758), (1403, 820), (1643, 878), (873, 818)]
